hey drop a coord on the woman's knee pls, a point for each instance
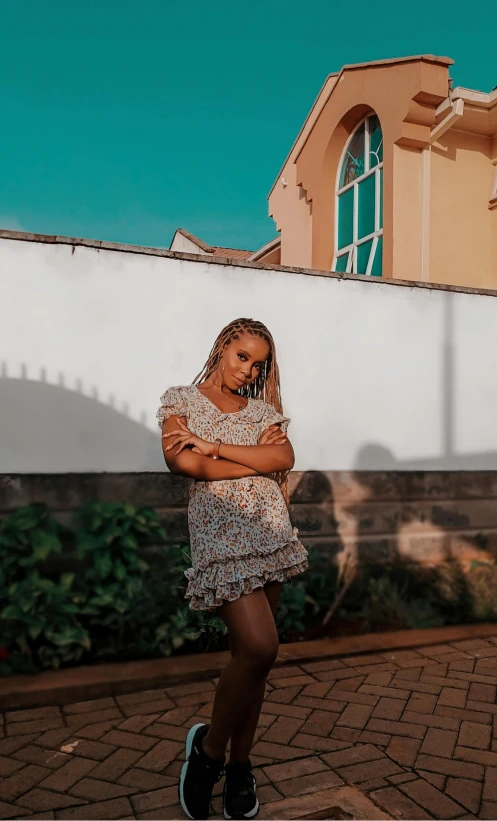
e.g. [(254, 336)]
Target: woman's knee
[(260, 655)]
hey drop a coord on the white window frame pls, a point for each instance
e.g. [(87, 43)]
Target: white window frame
[(368, 172)]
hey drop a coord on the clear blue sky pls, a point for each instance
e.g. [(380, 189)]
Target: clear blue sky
[(123, 119)]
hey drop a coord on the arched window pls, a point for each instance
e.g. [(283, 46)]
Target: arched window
[(359, 204)]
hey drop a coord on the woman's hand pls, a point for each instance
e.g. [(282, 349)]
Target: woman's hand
[(185, 438), (273, 435)]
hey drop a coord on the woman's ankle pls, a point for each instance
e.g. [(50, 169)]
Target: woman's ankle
[(217, 755)]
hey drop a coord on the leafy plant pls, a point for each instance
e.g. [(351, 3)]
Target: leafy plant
[(388, 606), (28, 536)]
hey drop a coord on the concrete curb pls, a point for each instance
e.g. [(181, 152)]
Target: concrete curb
[(55, 687)]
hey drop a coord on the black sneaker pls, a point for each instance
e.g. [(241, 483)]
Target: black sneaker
[(239, 798), (199, 774)]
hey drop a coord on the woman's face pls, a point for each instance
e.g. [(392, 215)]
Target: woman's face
[(243, 360)]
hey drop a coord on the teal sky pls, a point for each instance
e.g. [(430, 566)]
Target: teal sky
[(124, 119)]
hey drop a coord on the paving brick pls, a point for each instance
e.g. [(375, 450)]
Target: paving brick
[(89, 749), (446, 766), (160, 756), (77, 720), (411, 674), (488, 809), (372, 784), (284, 696), (452, 697), (345, 734), (94, 732), (482, 692), (308, 783), (378, 668), (39, 800), (445, 681), (479, 677), (54, 738), (380, 679), (369, 769), (33, 714), (293, 681), (21, 781), (286, 671), (116, 764), (317, 744), (166, 813), (71, 772), (292, 710), (351, 684), (378, 690), (404, 750), (402, 728), (434, 669), (421, 703), (431, 799), (102, 810), (160, 706), (93, 706), (144, 780), (317, 704), (319, 689), (16, 728), (320, 666), (335, 675), (134, 741), (374, 738), (437, 779), (168, 731), (155, 799), (405, 658), (362, 660), (463, 715), (439, 742), (267, 793), (279, 752), (481, 706), (9, 766), (355, 715), (350, 697), (465, 792), (283, 730), (10, 745), (398, 805), (352, 755), (39, 755), (320, 722), (295, 769), (474, 735), (176, 717), (490, 784), (141, 696), (93, 789), (478, 756), (391, 708), (401, 778), (428, 720)]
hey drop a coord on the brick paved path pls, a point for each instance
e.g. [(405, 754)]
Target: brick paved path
[(416, 730)]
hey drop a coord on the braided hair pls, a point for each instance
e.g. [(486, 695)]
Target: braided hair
[(266, 386)]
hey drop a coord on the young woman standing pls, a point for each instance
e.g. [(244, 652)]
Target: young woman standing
[(227, 432)]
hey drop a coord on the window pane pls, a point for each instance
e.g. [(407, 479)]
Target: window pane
[(353, 162), (366, 192), (346, 218), (341, 264), (381, 197), (377, 268), (375, 142), (363, 252)]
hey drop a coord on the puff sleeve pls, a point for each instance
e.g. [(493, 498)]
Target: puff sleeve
[(173, 403), (272, 417)]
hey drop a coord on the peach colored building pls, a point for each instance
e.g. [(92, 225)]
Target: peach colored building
[(393, 174)]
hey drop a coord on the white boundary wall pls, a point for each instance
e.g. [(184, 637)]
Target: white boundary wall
[(375, 375)]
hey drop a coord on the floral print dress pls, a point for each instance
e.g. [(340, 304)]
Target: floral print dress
[(240, 532)]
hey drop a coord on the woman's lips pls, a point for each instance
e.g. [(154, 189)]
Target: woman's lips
[(240, 382)]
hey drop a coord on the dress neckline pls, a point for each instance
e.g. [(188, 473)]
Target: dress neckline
[(225, 413)]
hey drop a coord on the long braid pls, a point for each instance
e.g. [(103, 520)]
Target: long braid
[(267, 384)]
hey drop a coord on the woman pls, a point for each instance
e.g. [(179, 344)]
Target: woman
[(227, 432)]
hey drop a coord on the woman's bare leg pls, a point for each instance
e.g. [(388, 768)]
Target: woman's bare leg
[(242, 737), (254, 646)]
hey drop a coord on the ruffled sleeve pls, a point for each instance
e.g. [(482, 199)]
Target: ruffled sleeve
[(173, 403), (272, 417)]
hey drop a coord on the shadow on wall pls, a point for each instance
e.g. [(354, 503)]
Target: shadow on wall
[(50, 428)]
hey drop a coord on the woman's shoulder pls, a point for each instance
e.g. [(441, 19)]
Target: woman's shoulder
[(269, 412)]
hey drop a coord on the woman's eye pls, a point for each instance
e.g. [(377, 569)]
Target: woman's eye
[(242, 357)]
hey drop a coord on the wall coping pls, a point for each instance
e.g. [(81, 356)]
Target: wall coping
[(99, 244)]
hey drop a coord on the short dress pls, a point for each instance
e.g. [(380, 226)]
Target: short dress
[(241, 536)]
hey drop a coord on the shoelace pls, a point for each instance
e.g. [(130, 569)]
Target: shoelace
[(243, 778)]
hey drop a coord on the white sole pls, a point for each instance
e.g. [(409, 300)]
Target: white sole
[(248, 815), (189, 742)]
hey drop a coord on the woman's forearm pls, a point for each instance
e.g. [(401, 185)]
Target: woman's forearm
[(205, 469), (261, 458)]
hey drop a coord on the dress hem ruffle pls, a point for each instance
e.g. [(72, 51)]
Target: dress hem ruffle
[(226, 581)]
